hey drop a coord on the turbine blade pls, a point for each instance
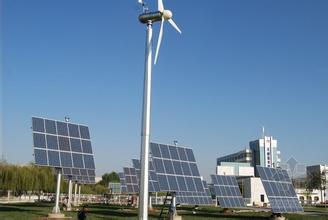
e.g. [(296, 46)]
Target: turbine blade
[(174, 25), (160, 5), (160, 36)]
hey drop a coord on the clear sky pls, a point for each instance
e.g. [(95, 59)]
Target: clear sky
[(238, 65)]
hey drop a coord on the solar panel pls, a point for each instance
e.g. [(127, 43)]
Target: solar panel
[(153, 185), (176, 168), (122, 182), (64, 145), (279, 189), (195, 198), (131, 181), (227, 191)]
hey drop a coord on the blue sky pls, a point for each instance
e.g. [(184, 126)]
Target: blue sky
[(238, 65)]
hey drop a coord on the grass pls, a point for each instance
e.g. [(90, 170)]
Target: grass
[(33, 211)]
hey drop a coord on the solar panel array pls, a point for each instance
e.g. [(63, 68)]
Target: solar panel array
[(279, 189), (131, 180), (195, 198), (227, 191), (122, 182), (176, 168), (153, 185), (65, 146)]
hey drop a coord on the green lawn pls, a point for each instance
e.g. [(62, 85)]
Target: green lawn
[(34, 211)]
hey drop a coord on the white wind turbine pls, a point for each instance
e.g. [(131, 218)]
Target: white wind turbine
[(149, 18)]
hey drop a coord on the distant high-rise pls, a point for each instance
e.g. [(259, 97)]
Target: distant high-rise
[(264, 152)]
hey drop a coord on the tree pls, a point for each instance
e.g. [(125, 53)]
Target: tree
[(110, 178), (313, 181)]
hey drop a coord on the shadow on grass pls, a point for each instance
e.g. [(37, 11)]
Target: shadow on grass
[(112, 213), (31, 208), (12, 209)]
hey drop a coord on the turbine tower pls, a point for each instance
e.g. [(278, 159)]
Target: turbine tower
[(149, 18)]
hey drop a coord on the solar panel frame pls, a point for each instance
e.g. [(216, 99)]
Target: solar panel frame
[(227, 191), (279, 189), (52, 147)]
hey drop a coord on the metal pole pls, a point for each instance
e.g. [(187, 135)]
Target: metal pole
[(69, 202), (150, 204), (79, 197), (145, 130), (75, 191), (56, 209)]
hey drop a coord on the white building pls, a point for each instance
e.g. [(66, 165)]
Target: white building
[(323, 171), (306, 197)]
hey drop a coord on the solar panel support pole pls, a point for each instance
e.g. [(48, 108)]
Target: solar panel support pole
[(56, 209), (145, 130), (69, 201), (150, 205), (75, 192), (79, 197), (173, 206)]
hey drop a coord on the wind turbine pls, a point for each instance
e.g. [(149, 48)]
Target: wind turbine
[(149, 18)]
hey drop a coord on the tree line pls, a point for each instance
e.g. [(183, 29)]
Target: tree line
[(34, 179)]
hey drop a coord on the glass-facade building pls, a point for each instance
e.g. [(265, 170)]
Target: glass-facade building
[(264, 152)]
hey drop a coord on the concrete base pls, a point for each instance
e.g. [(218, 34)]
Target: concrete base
[(177, 217), (56, 216)]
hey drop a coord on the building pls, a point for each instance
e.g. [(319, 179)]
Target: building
[(235, 169), (323, 171), (242, 164), (243, 156), (264, 152)]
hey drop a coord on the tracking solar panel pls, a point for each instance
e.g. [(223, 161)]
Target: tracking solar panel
[(176, 168), (64, 145), (279, 189), (227, 191)]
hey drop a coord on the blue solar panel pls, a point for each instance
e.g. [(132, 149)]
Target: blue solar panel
[(131, 181), (279, 189), (195, 198), (50, 127), (38, 125), (76, 145), (227, 191), (64, 145), (66, 159), (52, 142), (53, 157), (84, 132), (123, 183), (176, 168), (88, 161), (41, 157), (73, 130), (77, 160), (39, 140)]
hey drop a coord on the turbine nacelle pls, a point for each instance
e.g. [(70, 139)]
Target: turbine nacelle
[(167, 14), (160, 15)]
